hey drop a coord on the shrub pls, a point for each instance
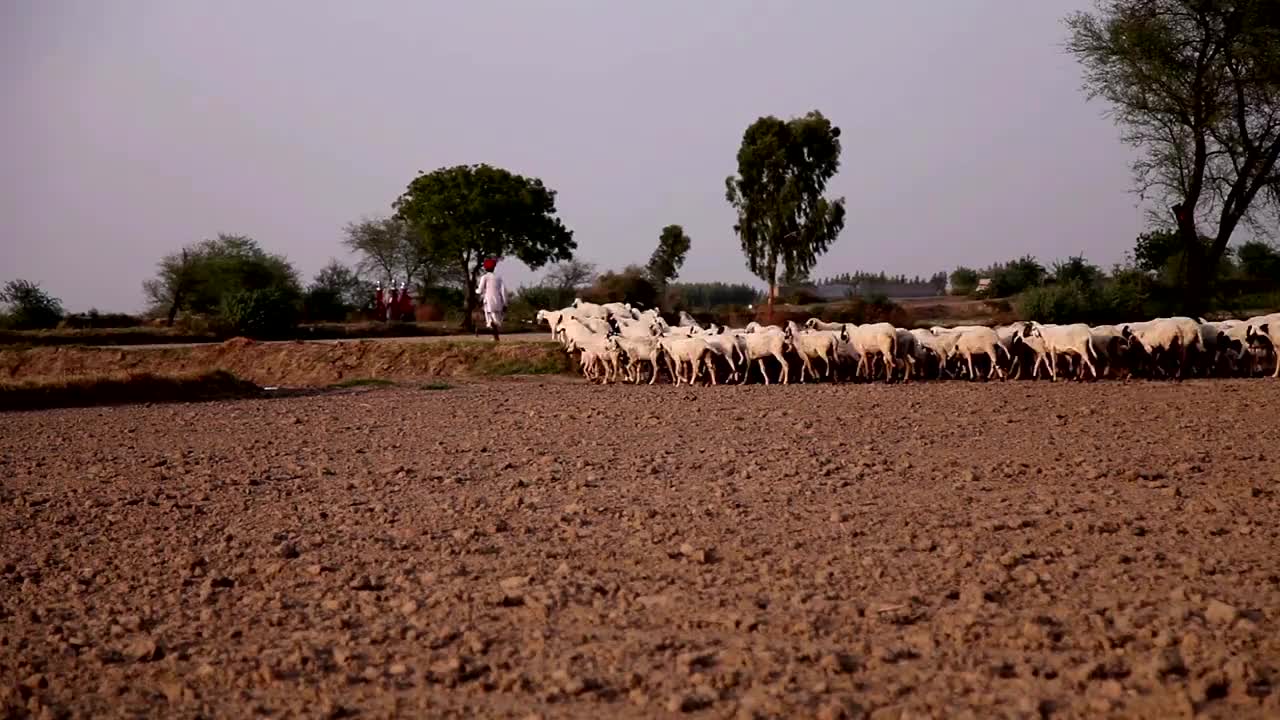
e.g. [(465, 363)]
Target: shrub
[(963, 281), (1064, 303), (30, 307), (323, 304), (260, 313), (97, 320), (631, 285)]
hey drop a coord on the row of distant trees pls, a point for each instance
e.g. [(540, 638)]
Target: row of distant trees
[(1150, 282)]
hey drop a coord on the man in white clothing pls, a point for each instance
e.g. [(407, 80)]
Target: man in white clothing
[(494, 296)]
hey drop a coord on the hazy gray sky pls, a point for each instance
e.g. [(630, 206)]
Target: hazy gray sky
[(130, 128)]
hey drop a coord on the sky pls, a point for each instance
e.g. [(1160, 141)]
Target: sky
[(132, 128)]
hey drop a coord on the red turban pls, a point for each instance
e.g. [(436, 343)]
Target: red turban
[(489, 263)]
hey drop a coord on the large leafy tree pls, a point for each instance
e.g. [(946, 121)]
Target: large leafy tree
[(664, 264), (391, 251), (30, 306), (199, 277), (784, 221), (466, 213), (1195, 87)]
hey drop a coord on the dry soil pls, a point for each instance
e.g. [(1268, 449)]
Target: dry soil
[(508, 548)]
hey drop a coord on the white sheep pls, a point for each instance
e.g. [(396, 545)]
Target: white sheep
[(1039, 351), (979, 339), (1075, 340), (640, 349), (1160, 338), (871, 341), (761, 345), (589, 309), (811, 345), (681, 350), (1266, 335)]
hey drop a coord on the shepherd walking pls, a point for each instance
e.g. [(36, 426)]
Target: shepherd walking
[(494, 295)]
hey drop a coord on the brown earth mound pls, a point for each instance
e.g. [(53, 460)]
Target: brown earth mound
[(297, 364), (123, 389)]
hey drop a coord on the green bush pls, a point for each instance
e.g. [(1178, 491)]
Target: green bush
[(265, 313), (529, 299), (964, 281), (30, 307), (632, 285), (1068, 302), (322, 304)]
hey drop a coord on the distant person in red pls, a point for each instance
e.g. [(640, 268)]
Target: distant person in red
[(405, 309), (494, 296), (379, 303)]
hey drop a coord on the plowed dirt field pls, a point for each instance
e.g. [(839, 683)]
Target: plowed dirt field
[(549, 548)]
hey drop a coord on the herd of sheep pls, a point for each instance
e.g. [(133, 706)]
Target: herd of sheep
[(615, 342)]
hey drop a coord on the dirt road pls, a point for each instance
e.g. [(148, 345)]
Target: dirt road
[(507, 548)]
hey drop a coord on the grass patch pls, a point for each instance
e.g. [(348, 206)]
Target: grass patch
[(544, 364), (123, 389), (363, 382)]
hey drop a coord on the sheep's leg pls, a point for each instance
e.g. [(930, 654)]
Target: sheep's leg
[(1086, 364), (653, 360), (711, 369), (968, 358), (785, 375), (1053, 365), (764, 372), (804, 365)]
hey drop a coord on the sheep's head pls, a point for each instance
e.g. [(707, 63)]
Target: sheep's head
[(577, 302), (844, 333), (811, 323), (1259, 336)]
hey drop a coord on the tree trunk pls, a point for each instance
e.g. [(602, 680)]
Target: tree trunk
[(773, 283), (173, 309), (1195, 274), (471, 301)]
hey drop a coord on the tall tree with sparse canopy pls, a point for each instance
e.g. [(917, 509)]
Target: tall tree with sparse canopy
[(466, 213), (391, 252), (1195, 87), (664, 264), (783, 219)]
